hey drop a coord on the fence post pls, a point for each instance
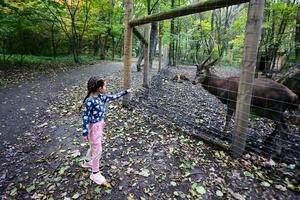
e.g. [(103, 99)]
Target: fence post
[(127, 49), (252, 37), (146, 56)]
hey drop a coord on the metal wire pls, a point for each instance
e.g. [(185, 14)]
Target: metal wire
[(172, 113)]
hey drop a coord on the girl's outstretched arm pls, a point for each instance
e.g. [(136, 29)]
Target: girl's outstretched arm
[(85, 118), (107, 98)]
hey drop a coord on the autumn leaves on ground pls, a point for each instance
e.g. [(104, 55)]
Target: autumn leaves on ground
[(145, 157)]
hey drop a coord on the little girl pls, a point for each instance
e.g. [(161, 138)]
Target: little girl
[(93, 123)]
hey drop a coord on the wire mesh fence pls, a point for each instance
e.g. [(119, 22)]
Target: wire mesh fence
[(210, 102), (271, 131)]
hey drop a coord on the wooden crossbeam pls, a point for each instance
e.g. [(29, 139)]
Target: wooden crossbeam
[(187, 10), (140, 36)]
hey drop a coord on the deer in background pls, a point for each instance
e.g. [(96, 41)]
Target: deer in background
[(269, 98)]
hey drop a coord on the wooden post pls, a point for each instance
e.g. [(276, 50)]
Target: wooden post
[(159, 46), (146, 56), (252, 37), (127, 49)]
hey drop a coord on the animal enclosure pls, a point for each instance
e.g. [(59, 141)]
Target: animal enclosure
[(241, 94), (197, 112)]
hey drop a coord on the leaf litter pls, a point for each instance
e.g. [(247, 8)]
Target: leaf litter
[(145, 156)]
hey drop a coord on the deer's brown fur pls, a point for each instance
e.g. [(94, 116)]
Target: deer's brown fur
[(269, 98)]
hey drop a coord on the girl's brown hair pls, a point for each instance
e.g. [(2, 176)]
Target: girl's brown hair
[(92, 86)]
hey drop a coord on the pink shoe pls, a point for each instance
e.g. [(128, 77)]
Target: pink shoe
[(98, 178), (86, 164)]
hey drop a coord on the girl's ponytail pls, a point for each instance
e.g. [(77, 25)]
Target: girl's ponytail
[(81, 106)]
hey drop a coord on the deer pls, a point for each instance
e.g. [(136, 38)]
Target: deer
[(270, 99)]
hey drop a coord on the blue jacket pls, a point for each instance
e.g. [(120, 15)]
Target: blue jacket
[(94, 109)]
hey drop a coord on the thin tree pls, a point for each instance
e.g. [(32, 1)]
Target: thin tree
[(68, 11), (297, 39), (153, 34), (172, 40)]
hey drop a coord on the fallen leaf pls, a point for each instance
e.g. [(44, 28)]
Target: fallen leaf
[(265, 184), (145, 173), (30, 188), (76, 196), (176, 193), (13, 192), (75, 153), (107, 185), (219, 193), (97, 189), (281, 188), (173, 183), (130, 197), (200, 190)]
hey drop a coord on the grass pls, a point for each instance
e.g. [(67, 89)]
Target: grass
[(16, 60), (43, 59), (14, 71)]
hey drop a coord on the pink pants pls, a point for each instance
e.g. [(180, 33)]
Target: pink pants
[(95, 138)]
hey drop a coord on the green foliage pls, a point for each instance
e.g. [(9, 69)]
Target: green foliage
[(44, 28), (204, 24), (278, 35), (17, 59)]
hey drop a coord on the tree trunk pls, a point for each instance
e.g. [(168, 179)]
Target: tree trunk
[(298, 35), (3, 50), (219, 30), (103, 46), (23, 48), (212, 43), (225, 39), (120, 46), (171, 46), (222, 26), (153, 38), (96, 46), (149, 7), (146, 57), (160, 46), (74, 39), (277, 45), (127, 49), (153, 42), (141, 57), (272, 50), (75, 51), (53, 40), (178, 49), (113, 47)]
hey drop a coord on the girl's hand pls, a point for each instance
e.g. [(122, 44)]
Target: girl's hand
[(129, 90), (86, 138)]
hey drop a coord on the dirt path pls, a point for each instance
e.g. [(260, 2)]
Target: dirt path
[(24, 108), (145, 155), (21, 102)]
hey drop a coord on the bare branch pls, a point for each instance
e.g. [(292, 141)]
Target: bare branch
[(153, 6), (59, 19), (88, 8)]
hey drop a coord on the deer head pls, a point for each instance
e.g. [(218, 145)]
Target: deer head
[(203, 71)]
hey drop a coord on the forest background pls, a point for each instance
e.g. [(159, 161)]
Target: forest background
[(39, 31)]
